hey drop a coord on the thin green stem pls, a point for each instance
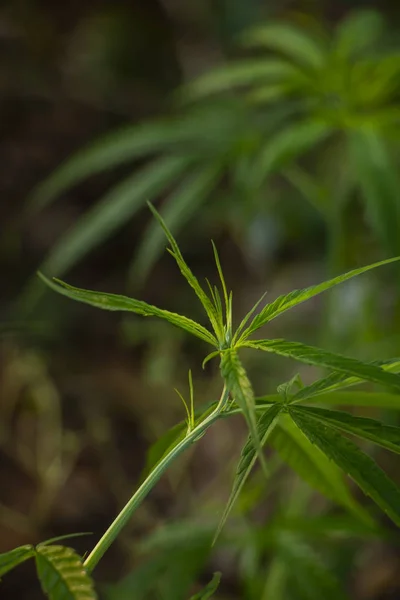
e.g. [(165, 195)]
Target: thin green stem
[(126, 513)]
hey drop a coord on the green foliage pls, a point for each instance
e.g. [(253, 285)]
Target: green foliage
[(313, 466), (369, 429), (289, 301), (60, 570), (9, 560), (265, 426), (306, 91), (361, 468), (310, 440), (62, 574)]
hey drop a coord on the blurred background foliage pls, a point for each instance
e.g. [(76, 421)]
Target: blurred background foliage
[(271, 127)]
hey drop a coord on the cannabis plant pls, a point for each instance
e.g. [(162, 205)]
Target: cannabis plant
[(314, 440)]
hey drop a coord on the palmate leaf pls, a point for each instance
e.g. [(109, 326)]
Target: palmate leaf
[(322, 358), (123, 303), (239, 386), (209, 590), (248, 457), (216, 319), (336, 381), (9, 560), (313, 466), (384, 435), (288, 301), (62, 574), (359, 466)]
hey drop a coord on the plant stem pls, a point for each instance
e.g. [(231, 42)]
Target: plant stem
[(121, 520)]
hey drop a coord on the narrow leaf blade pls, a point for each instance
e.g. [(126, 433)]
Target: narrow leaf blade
[(386, 436), (288, 301), (321, 358), (336, 381), (123, 303), (9, 560), (313, 466), (240, 388), (248, 457), (359, 466)]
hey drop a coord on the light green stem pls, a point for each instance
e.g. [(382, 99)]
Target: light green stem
[(126, 513)]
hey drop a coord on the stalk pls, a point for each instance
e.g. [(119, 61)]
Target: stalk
[(126, 513)]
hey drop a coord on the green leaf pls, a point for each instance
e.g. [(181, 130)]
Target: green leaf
[(358, 465), (311, 576), (240, 74), (288, 301), (313, 466), (239, 386), (358, 32), (62, 575), (215, 318), (384, 435), (110, 213), (9, 560), (210, 588), (179, 207), (286, 145), (321, 358), (123, 303), (111, 150), (335, 381), (380, 400), (265, 425), (379, 183), (297, 45)]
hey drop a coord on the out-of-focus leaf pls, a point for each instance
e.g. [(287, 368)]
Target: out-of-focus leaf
[(286, 145), (359, 466), (110, 213), (294, 43), (379, 183), (113, 149), (358, 32), (241, 74), (313, 466), (9, 560), (311, 576)]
